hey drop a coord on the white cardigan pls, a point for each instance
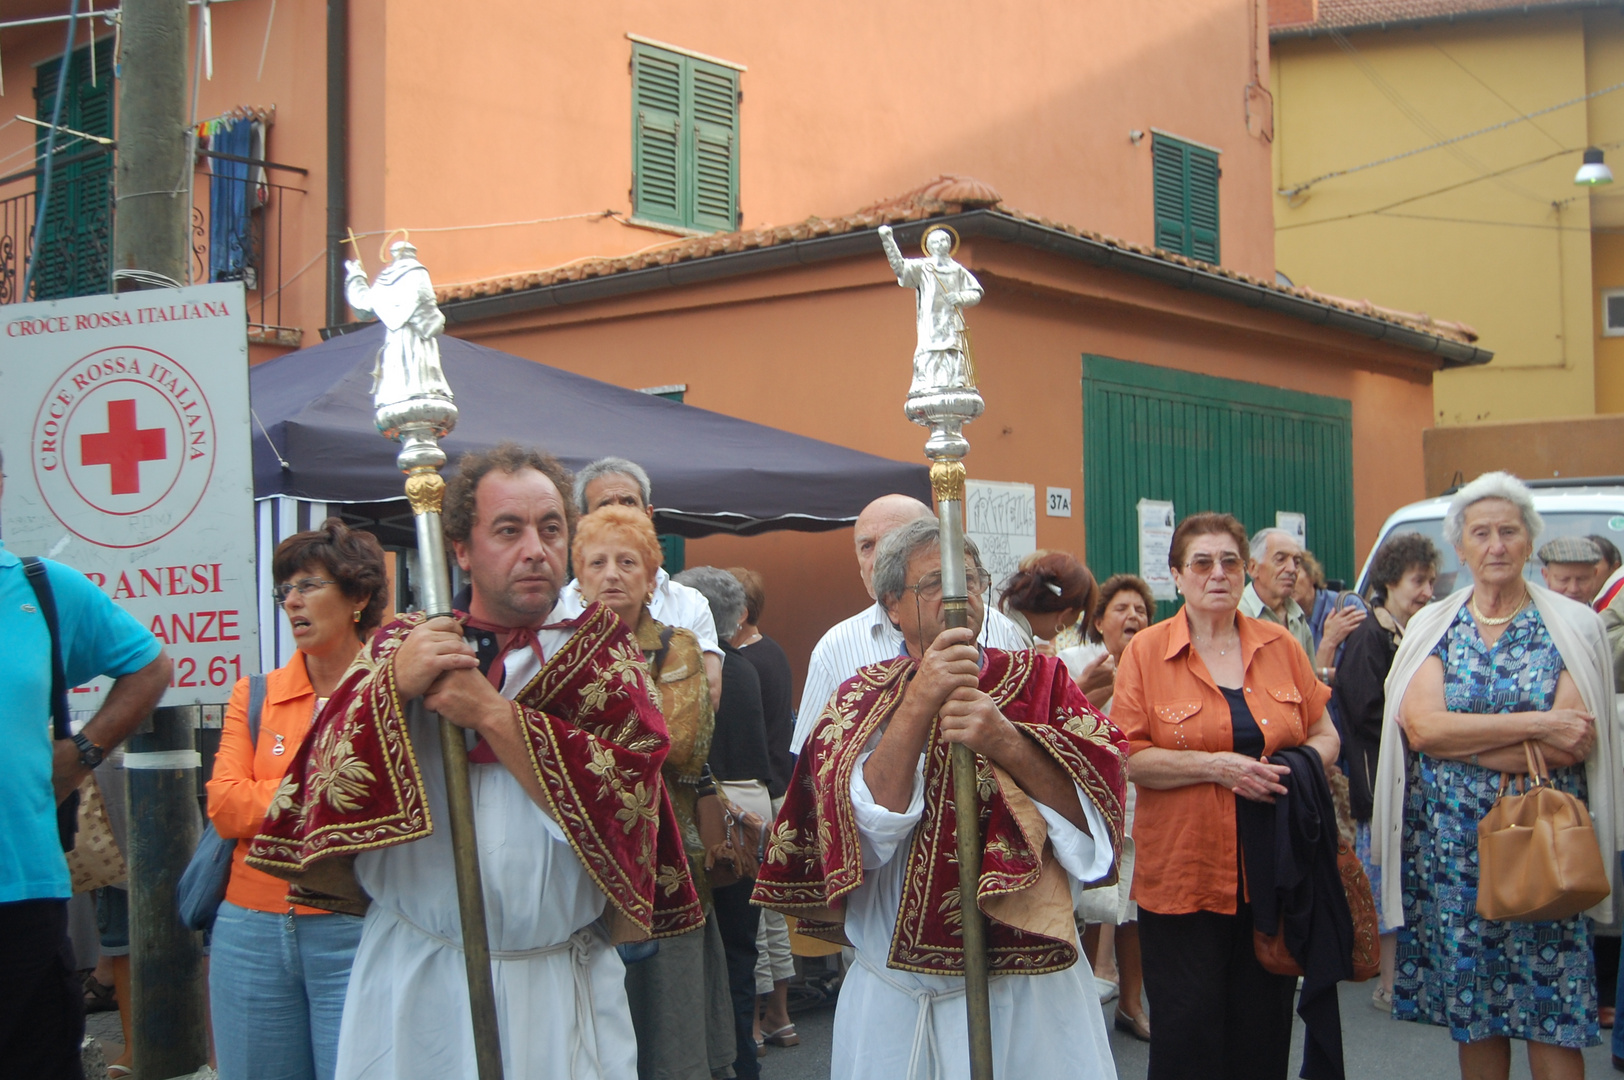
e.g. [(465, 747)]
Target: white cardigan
[(1579, 638)]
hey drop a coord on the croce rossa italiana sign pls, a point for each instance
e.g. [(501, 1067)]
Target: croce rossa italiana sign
[(126, 439)]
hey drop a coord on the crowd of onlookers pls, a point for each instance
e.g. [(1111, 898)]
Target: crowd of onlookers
[(1417, 716), (1267, 680)]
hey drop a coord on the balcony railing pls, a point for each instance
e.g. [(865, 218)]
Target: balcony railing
[(236, 233), (76, 250)]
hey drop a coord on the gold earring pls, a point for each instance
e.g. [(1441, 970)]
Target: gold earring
[(356, 617)]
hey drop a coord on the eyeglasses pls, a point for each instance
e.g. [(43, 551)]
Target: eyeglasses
[(304, 587), (929, 587), (1203, 564)]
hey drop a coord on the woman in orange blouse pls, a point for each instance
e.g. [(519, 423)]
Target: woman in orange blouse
[(278, 971), (1204, 698)]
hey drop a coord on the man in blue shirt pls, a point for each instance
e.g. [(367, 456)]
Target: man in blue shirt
[(41, 1002)]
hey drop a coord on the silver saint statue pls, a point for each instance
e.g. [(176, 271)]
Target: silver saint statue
[(943, 288), (408, 365)]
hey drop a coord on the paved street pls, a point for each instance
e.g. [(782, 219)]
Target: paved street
[(1375, 1048)]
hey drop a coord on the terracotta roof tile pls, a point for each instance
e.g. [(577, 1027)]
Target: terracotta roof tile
[(1302, 15), (941, 197)]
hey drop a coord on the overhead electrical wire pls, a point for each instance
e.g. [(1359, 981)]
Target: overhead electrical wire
[(1440, 191), (1298, 189)]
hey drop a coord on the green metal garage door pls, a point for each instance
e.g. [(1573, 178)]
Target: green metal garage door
[(1206, 443)]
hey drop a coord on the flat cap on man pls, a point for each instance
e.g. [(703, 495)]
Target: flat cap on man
[(1568, 549)]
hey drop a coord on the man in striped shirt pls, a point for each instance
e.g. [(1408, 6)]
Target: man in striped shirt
[(869, 636)]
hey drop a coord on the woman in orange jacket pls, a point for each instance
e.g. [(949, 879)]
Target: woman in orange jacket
[(278, 971)]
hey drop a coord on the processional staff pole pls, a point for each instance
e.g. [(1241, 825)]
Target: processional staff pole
[(943, 398), (413, 406)]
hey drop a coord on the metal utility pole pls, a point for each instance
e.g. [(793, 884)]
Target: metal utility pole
[(151, 231), (154, 216)]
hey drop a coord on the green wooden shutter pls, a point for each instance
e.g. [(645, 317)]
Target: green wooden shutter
[(1202, 186), (715, 147), (1171, 193), (685, 140), (1206, 443), (75, 247), (1185, 187), (657, 159)]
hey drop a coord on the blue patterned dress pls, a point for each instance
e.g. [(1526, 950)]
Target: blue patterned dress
[(1479, 978)]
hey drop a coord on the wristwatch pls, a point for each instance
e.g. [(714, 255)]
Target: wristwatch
[(90, 755)]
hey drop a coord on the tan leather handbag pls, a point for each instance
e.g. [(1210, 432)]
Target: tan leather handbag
[(95, 861), (732, 839), (1271, 948), (1537, 854)]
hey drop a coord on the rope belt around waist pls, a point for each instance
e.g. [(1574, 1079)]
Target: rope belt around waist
[(579, 946), (924, 1050)]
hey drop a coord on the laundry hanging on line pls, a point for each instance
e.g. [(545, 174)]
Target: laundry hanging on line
[(236, 190)]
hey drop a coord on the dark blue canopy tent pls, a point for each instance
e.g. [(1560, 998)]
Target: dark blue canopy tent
[(315, 441)]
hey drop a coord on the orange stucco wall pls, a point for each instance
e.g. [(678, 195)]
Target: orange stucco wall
[(824, 351), (509, 111)]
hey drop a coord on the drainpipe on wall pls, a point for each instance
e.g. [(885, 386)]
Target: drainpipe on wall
[(338, 137)]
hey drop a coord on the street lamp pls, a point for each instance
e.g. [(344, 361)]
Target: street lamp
[(1594, 172)]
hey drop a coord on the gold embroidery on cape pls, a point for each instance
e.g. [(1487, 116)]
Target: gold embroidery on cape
[(303, 861), (336, 775)]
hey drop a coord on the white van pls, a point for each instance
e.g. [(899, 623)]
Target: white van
[(1581, 507)]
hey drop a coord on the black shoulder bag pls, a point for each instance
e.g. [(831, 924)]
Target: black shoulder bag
[(67, 811)]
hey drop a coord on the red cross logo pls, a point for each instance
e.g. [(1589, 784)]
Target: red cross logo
[(123, 446)]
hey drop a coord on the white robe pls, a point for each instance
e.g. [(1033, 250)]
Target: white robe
[(560, 987), (901, 1025)]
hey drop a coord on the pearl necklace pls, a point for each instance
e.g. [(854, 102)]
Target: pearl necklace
[(1503, 619), (1214, 643)]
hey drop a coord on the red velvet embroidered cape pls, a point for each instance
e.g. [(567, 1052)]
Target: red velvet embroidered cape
[(596, 741), (813, 856)]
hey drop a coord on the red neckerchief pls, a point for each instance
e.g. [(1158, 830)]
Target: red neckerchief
[(509, 639)]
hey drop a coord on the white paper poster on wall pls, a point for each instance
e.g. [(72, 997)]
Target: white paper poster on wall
[(1155, 541), (124, 421), (1295, 524), (1002, 519)]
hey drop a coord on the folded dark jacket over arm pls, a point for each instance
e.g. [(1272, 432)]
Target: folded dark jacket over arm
[(1289, 852)]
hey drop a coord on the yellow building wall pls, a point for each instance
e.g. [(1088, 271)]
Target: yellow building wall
[(1604, 66), (1490, 231), (1607, 261)]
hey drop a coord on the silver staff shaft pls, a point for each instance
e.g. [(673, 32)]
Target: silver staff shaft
[(943, 398), (418, 424), (966, 798)]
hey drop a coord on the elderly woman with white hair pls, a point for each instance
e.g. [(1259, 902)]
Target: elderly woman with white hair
[(1497, 664)]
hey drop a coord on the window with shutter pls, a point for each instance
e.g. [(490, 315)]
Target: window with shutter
[(685, 140), (1185, 181), (74, 249)]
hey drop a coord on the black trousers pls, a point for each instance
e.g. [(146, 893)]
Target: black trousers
[(736, 918), (42, 1017), (1215, 1014)]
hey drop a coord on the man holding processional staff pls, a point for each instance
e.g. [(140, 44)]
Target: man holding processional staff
[(867, 851), (563, 792)]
